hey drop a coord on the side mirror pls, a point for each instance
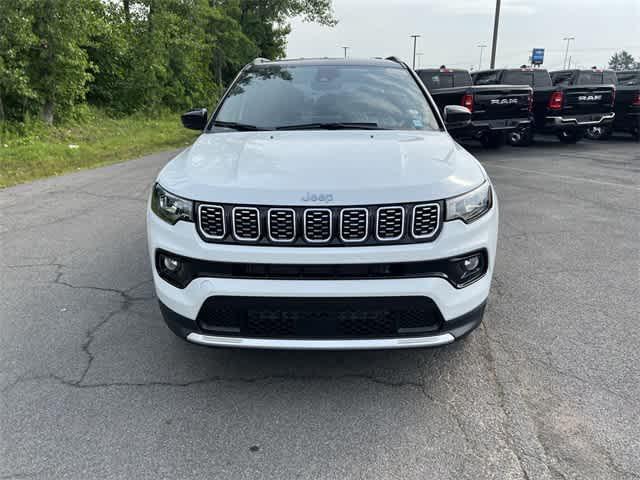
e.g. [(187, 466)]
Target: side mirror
[(457, 116), (195, 119)]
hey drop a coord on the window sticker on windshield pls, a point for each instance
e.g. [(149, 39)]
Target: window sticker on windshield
[(417, 123)]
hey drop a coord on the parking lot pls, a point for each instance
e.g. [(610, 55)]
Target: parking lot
[(93, 384)]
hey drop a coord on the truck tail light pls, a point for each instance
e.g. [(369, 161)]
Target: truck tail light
[(613, 98), (467, 101), (555, 101), (636, 100), (530, 102)]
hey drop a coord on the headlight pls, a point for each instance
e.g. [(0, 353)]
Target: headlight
[(169, 207), (470, 206)]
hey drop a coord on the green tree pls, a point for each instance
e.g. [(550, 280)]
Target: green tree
[(16, 41), (622, 60)]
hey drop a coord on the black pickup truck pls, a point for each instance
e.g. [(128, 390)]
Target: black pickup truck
[(496, 110), (626, 108), (564, 107)]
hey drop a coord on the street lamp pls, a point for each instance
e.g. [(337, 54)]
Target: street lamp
[(496, 21), (345, 51), (566, 52), (415, 39), (481, 47)]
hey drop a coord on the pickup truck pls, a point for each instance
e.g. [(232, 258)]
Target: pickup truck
[(496, 110), (565, 105), (626, 108)]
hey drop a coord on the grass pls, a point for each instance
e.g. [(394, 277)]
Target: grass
[(32, 151)]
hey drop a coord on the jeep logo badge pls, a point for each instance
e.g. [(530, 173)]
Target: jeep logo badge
[(317, 197)]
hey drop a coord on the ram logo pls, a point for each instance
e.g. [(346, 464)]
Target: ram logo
[(589, 98), (504, 101)]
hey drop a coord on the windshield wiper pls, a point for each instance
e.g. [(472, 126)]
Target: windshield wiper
[(243, 127), (333, 126)]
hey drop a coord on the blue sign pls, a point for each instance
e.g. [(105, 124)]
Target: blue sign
[(537, 56)]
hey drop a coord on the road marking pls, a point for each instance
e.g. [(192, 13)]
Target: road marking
[(565, 177)]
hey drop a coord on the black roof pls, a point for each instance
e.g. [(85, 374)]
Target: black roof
[(446, 70), (367, 62)]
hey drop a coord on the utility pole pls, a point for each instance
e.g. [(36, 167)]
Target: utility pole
[(566, 52), (496, 21), (345, 51), (481, 47), (415, 39)]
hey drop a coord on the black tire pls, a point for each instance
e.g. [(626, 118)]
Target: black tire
[(493, 140), (520, 138), (636, 134), (570, 136)]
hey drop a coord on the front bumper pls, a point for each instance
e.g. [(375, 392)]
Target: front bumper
[(455, 239), (454, 330)]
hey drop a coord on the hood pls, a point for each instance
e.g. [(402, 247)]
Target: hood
[(322, 167)]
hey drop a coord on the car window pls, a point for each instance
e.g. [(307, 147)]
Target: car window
[(486, 78), (541, 78), (462, 79), (561, 78), (628, 78), (434, 80), (609, 78), (590, 78), (515, 77), (272, 96)]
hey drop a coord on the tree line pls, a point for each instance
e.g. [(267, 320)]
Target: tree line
[(134, 55)]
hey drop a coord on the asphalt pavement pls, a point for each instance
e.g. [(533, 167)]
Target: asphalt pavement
[(93, 384)]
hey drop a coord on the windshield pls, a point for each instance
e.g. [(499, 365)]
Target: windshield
[(274, 96)]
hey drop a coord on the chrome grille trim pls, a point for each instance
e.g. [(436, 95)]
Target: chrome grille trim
[(378, 223), (280, 240), (233, 223), (413, 220), (305, 221), (224, 222), (366, 225)]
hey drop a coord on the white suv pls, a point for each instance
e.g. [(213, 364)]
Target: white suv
[(324, 206)]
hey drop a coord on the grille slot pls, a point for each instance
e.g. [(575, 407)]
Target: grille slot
[(317, 225), (282, 224), (354, 224), (212, 222), (246, 223), (426, 219), (389, 223)]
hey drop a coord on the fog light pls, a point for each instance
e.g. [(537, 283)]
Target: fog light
[(471, 263), (171, 264)]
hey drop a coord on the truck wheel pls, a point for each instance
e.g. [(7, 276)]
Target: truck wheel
[(492, 140), (570, 136), (598, 133), (636, 134), (520, 138)]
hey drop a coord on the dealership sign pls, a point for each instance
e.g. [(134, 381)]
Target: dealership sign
[(537, 56)]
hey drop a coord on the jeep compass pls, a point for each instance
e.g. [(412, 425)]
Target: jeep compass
[(323, 206)]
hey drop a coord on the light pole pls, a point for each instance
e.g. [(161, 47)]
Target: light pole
[(496, 21), (481, 47), (345, 51), (566, 52), (415, 39)]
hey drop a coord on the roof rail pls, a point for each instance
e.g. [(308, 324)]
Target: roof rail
[(260, 60)]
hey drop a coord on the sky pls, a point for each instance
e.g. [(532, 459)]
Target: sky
[(451, 31)]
